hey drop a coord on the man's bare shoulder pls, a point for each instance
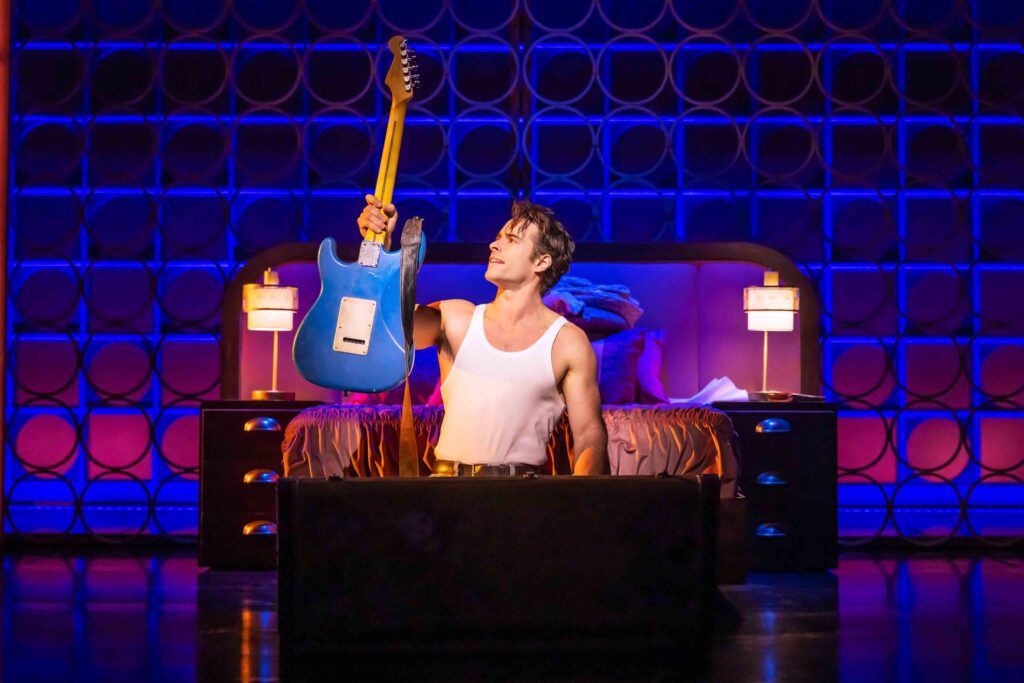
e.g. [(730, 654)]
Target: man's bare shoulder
[(455, 316), (454, 308), (573, 342)]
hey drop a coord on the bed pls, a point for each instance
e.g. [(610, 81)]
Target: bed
[(691, 294)]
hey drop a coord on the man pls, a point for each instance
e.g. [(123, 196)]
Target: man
[(510, 367)]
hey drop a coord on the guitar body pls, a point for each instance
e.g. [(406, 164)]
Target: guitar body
[(380, 362)]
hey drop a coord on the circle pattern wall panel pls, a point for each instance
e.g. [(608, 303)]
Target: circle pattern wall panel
[(156, 146)]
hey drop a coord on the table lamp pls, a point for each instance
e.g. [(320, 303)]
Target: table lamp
[(770, 308), (270, 307)]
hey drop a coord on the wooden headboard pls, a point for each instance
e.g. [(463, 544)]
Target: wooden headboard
[(691, 288)]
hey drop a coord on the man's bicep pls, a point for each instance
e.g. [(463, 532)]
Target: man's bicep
[(583, 401), (580, 388)]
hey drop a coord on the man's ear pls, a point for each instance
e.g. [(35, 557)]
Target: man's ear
[(542, 263)]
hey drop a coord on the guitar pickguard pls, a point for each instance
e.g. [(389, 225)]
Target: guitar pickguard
[(355, 324)]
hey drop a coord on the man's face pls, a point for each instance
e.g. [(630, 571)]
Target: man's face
[(511, 263)]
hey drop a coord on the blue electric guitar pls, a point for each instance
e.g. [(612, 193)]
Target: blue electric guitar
[(358, 334)]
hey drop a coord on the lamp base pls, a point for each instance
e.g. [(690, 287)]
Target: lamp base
[(770, 395), (268, 395)]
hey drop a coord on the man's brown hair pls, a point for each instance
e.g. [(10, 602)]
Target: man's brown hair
[(552, 239)]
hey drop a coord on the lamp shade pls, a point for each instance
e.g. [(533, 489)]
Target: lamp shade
[(270, 321), (269, 306), (770, 308)]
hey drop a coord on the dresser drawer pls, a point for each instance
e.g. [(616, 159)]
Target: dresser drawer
[(224, 488), (773, 503), (250, 435), (780, 552), (778, 545), (226, 546), (786, 442)]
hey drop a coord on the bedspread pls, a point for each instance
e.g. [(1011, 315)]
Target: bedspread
[(362, 440)]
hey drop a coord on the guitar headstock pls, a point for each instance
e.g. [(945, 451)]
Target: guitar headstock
[(404, 75)]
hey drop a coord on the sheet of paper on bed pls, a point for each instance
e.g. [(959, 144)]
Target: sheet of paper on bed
[(718, 389)]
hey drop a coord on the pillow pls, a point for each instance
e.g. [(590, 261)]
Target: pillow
[(617, 361), (573, 294), (563, 303), (598, 322), (649, 388)]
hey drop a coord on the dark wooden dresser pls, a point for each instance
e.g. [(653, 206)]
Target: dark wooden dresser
[(788, 456), (239, 463)]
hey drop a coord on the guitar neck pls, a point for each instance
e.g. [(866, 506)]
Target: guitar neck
[(389, 156)]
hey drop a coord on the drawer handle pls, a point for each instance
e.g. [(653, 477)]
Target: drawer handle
[(260, 527), (260, 477), (771, 531), (767, 479), (262, 424), (772, 425)]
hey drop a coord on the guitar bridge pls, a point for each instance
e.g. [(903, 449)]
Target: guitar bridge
[(355, 323), (369, 254)]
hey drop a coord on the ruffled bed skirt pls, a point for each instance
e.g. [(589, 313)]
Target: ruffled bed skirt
[(362, 441)]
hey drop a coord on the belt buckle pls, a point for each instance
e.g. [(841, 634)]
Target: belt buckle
[(447, 468)]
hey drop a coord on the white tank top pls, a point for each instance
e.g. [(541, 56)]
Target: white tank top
[(499, 406)]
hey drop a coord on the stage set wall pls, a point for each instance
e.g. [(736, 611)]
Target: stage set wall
[(157, 146)]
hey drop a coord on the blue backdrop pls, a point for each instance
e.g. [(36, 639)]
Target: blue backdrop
[(156, 146)]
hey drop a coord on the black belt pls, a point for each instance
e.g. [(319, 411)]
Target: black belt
[(450, 468)]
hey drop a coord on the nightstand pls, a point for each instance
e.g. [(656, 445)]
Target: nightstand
[(239, 463), (787, 456)]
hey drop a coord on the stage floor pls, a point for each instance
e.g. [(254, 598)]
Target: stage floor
[(155, 616)]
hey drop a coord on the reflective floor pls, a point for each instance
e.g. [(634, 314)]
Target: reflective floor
[(159, 617)]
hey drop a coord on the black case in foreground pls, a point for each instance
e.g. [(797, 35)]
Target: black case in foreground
[(443, 565)]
